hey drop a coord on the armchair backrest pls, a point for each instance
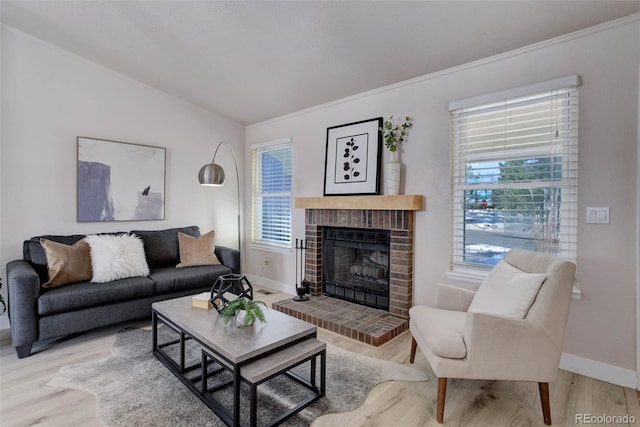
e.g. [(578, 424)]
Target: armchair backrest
[(551, 306)]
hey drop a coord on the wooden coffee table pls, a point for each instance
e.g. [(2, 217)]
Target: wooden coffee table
[(252, 354)]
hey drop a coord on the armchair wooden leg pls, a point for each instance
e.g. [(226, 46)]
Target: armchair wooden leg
[(442, 393), (414, 344), (544, 398)]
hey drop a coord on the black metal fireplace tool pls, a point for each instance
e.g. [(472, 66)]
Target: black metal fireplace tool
[(303, 289)]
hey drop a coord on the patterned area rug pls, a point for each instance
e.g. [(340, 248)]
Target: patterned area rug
[(134, 389)]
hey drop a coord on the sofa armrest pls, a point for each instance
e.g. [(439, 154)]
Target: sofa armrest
[(454, 298), (229, 257), (23, 286)]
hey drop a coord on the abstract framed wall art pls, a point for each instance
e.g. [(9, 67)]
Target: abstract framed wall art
[(120, 181), (353, 156)]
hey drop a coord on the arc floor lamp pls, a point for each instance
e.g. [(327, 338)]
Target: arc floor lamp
[(212, 174)]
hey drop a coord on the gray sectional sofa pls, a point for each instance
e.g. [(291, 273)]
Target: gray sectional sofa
[(37, 313)]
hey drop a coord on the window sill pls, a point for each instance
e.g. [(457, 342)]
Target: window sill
[(467, 275), (476, 276), (270, 248)]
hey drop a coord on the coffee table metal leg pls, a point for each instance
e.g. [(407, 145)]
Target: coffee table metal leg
[(323, 371), (253, 414), (312, 375), (203, 370), (154, 328), (182, 335), (236, 396)]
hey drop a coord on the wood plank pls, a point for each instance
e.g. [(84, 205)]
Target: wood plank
[(411, 202), (633, 403)]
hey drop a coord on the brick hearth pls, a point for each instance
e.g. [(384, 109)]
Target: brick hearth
[(366, 324)]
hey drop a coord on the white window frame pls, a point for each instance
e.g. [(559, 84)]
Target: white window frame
[(470, 272), (257, 240)]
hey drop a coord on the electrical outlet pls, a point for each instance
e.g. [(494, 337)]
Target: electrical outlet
[(266, 262)]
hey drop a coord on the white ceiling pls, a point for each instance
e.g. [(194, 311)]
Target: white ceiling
[(252, 61)]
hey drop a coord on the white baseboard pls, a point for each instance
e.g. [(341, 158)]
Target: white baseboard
[(598, 370)]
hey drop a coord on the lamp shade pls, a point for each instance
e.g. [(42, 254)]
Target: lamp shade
[(211, 174)]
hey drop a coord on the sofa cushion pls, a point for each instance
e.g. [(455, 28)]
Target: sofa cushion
[(116, 257), (171, 279), (507, 292), (196, 251), (442, 330), (66, 263), (161, 246), (85, 295)]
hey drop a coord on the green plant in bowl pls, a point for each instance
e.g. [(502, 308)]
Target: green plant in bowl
[(253, 310)]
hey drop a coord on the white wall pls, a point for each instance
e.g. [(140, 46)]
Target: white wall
[(602, 325), (49, 97)]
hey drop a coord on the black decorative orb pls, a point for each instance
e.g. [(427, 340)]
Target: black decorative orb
[(227, 284)]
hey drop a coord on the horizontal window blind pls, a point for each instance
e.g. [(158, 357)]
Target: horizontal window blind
[(515, 169), (271, 195)]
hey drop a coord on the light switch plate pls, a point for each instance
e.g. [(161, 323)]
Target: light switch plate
[(598, 215)]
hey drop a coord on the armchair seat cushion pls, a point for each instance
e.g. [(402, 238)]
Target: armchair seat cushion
[(443, 330)]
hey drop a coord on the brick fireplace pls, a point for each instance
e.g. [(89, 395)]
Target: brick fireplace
[(392, 213)]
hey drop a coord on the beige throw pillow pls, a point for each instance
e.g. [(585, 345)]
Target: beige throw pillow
[(507, 292), (66, 264), (197, 250)]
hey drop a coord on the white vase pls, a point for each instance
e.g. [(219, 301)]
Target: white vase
[(392, 173), (239, 318)]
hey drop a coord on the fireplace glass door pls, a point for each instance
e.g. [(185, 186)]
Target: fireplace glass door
[(355, 266)]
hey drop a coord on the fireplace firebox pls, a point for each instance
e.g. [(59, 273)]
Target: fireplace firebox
[(355, 265)]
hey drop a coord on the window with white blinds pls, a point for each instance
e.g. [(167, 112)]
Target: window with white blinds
[(271, 194), (515, 173)]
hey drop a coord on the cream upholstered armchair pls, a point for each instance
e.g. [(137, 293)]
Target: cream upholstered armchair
[(511, 328)]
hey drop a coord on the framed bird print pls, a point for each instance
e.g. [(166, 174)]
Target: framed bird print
[(120, 181), (352, 159)]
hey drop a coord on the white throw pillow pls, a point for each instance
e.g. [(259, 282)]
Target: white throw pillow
[(116, 257), (507, 292)]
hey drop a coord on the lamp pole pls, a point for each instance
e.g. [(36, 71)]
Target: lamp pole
[(212, 174)]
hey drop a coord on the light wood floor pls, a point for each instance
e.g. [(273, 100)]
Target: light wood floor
[(26, 400)]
